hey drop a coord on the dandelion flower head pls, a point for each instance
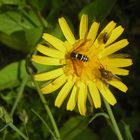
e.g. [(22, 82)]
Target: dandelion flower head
[(87, 66)]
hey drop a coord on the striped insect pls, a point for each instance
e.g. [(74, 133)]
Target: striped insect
[(79, 56), (76, 53)]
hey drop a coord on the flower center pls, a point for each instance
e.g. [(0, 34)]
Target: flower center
[(81, 63)]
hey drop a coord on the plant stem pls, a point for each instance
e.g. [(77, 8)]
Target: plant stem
[(112, 118), (18, 131), (47, 126), (30, 69), (47, 110), (19, 95), (98, 115)]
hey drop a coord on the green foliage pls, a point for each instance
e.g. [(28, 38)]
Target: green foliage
[(19, 29), (10, 20), (98, 9), (22, 23), (12, 74), (74, 128)]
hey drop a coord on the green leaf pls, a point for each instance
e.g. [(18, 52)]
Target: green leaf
[(9, 2), (12, 21), (39, 5), (35, 18), (22, 40), (18, 30), (98, 9), (86, 134), (5, 116), (73, 127), (7, 25), (32, 37), (9, 98), (106, 133), (56, 7), (16, 41), (12, 4), (11, 75), (126, 131)]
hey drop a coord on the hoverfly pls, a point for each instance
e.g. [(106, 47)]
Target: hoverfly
[(76, 55), (79, 56)]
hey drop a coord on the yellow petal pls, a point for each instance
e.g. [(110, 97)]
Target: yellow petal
[(73, 98), (49, 75), (82, 97), (94, 94), (68, 46), (119, 85), (55, 42), (64, 92), (118, 71), (93, 31), (46, 60), (119, 62), (83, 27), (50, 51), (114, 47), (99, 42), (57, 83), (109, 27), (66, 30), (106, 93), (115, 34)]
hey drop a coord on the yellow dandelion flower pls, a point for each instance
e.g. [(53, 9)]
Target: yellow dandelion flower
[(87, 66)]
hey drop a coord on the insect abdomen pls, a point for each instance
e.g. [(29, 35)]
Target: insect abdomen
[(79, 56)]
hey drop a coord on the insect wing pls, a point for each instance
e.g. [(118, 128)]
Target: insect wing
[(81, 46)]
